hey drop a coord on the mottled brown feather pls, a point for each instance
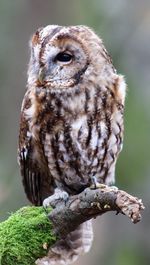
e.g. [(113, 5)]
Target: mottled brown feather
[(71, 127)]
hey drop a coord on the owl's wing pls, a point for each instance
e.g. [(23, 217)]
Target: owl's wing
[(34, 170)]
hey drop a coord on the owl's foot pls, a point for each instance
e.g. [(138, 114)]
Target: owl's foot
[(96, 184), (59, 195)]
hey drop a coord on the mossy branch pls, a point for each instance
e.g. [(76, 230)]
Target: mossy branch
[(25, 236), (28, 234)]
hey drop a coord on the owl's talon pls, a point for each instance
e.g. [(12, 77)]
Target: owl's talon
[(95, 184)]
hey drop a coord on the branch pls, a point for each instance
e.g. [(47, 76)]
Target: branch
[(25, 236), (90, 203), (28, 234)]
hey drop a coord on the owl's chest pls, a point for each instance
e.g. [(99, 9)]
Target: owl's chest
[(79, 139), (77, 149)]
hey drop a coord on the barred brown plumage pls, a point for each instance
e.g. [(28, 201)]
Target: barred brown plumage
[(71, 127)]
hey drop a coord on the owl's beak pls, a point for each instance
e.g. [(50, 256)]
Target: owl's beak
[(41, 75)]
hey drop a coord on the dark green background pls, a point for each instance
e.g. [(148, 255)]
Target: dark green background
[(125, 29)]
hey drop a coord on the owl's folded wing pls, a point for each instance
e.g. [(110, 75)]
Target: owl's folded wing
[(35, 176)]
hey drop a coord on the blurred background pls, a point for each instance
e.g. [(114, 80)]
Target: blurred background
[(125, 28)]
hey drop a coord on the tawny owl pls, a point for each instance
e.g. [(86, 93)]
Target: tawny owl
[(71, 128)]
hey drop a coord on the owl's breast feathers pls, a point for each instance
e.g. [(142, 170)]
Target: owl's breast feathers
[(66, 138)]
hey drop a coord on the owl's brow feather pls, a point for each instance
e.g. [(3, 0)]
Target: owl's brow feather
[(46, 40)]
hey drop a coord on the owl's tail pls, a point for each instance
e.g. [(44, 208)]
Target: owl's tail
[(69, 249)]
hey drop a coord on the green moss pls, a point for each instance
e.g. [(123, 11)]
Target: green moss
[(24, 236)]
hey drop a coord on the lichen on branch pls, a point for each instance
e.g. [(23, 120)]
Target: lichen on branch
[(66, 216)]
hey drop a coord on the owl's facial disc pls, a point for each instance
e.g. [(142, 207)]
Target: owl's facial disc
[(63, 57), (62, 62)]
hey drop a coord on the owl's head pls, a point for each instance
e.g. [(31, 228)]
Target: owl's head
[(61, 57)]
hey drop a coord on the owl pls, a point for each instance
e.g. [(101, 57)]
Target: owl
[(71, 126)]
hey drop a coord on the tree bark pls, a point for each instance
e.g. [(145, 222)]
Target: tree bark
[(90, 203)]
